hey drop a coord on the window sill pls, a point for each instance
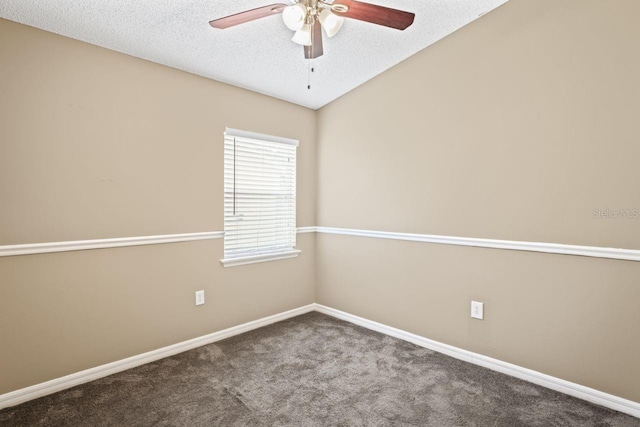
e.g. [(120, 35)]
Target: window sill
[(232, 262)]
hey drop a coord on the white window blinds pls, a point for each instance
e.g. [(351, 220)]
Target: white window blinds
[(259, 197)]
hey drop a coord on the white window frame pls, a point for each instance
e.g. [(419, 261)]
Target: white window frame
[(230, 220)]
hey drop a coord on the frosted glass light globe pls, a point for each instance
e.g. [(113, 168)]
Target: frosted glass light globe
[(303, 35), (294, 16), (330, 22)]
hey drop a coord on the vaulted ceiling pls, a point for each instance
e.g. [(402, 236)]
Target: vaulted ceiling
[(258, 55)]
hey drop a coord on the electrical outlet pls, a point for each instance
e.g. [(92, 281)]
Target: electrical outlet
[(477, 310), (199, 297)]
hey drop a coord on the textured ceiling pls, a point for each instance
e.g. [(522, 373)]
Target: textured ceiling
[(257, 55)]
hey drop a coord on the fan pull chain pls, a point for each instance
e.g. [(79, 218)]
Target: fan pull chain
[(311, 70)]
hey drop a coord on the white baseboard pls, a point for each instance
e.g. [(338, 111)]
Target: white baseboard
[(557, 384), (29, 393), (600, 398)]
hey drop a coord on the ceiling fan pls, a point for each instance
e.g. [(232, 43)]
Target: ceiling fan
[(308, 17)]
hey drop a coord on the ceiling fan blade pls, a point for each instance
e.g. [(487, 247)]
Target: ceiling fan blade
[(248, 15), (315, 50), (375, 14)]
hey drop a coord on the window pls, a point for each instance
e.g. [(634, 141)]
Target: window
[(259, 197)]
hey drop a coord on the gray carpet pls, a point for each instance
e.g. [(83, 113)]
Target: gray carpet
[(312, 370)]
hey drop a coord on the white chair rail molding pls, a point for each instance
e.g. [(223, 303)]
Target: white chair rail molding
[(516, 245)]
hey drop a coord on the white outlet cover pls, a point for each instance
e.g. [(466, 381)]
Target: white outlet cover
[(199, 297), (477, 310)]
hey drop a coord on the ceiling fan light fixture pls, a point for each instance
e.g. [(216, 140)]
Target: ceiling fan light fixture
[(294, 16), (303, 35), (307, 18), (330, 22)]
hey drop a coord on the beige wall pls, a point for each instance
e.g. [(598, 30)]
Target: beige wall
[(96, 144), (515, 127)]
